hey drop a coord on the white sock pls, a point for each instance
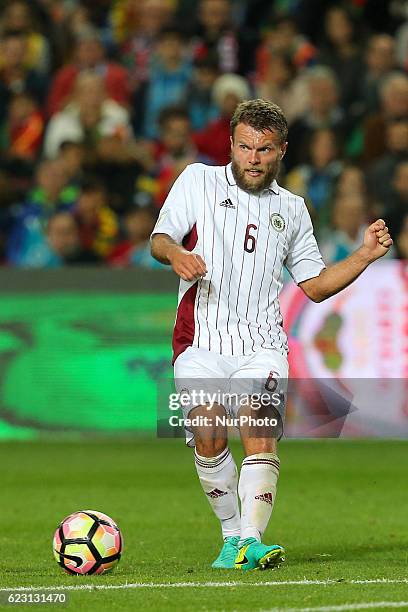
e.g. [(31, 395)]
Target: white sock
[(257, 491), (219, 479)]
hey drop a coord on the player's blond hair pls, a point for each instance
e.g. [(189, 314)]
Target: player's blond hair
[(260, 115)]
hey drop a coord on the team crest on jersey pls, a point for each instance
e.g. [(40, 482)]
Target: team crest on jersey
[(278, 222)]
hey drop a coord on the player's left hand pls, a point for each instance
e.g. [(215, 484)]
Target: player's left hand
[(377, 239)]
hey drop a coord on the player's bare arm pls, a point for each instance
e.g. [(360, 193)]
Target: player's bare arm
[(189, 266), (377, 242)]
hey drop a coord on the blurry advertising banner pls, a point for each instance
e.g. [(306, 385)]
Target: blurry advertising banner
[(82, 353), (86, 352), (348, 357)]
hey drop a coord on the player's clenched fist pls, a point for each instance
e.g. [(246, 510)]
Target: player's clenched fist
[(377, 239), (188, 266)]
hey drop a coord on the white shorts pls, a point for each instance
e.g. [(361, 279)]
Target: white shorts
[(199, 371)]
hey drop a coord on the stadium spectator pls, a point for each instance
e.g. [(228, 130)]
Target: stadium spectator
[(380, 61), (90, 116), (401, 42), (351, 182), (28, 247), (283, 38), (63, 241), (215, 35), (214, 141), (23, 129), (136, 25), (97, 224), (170, 74), (323, 111), (17, 17), (396, 204), (52, 243), (51, 190), (72, 156), (349, 220), (119, 164), (98, 11), (394, 105), (89, 54), (125, 20), (315, 181), (198, 99), (380, 173), (341, 51), (175, 149), (15, 76), (69, 23), (51, 193), (134, 249), (281, 86)]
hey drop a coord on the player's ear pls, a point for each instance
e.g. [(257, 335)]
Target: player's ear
[(283, 150), (232, 142)]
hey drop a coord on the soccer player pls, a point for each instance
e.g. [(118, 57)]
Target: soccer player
[(227, 231)]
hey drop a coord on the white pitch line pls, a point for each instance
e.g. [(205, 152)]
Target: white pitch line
[(340, 608), (379, 581), (205, 585)]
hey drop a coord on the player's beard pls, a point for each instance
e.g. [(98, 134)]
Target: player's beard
[(269, 175)]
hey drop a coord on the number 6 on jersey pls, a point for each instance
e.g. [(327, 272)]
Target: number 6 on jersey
[(250, 241)]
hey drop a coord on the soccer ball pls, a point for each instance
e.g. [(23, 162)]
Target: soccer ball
[(87, 542)]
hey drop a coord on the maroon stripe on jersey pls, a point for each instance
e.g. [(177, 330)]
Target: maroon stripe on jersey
[(183, 333), (190, 239)]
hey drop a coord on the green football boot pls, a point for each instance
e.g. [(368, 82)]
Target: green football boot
[(254, 555), (228, 554)]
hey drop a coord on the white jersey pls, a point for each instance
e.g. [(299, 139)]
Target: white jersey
[(245, 240)]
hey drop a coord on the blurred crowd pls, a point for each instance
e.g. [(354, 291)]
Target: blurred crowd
[(103, 104)]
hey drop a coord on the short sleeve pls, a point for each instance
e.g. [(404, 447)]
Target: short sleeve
[(177, 215), (304, 260)]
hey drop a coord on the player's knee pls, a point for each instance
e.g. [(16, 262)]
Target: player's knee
[(209, 431), (210, 447)]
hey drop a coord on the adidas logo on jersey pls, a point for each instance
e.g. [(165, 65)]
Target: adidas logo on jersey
[(227, 203), (216, 493), (266, 497)]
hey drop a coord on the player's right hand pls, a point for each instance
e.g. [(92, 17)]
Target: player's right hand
[(189, 266)]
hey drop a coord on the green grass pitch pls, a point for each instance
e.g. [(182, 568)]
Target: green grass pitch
[(341, 514)]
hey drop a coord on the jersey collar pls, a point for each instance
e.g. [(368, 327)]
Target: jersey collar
[(274, 188)]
